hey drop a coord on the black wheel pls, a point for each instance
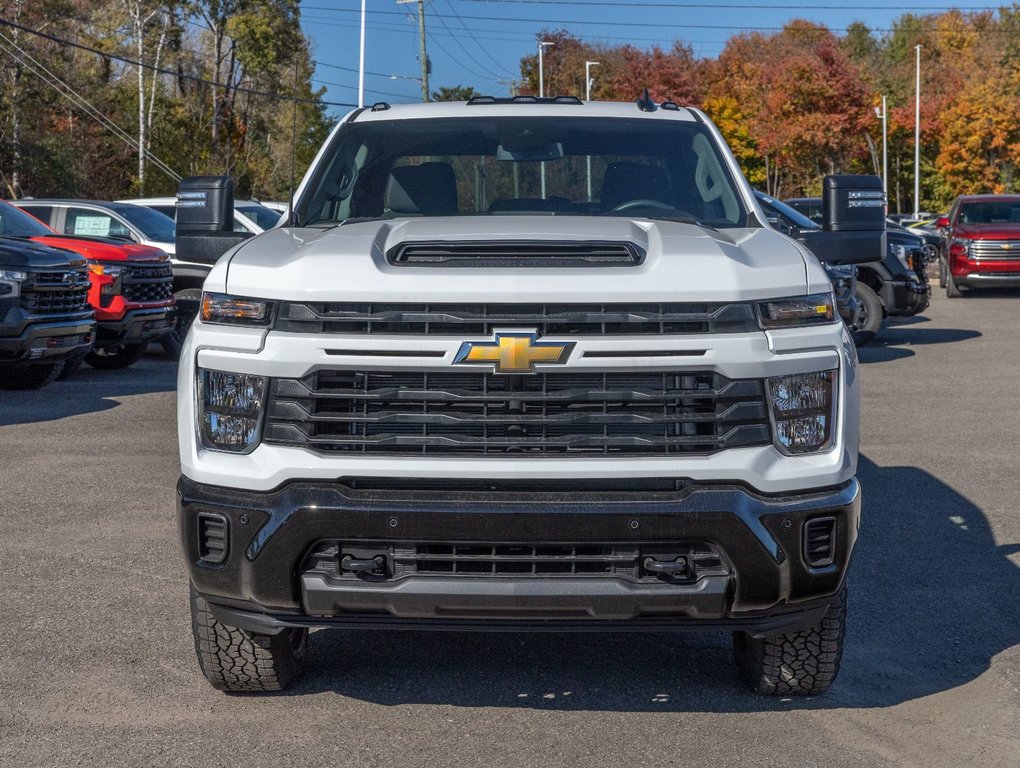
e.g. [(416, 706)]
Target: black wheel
[(942, 273), (952, 289), (29, 376), (799, 663), (236, 660), (118, 356), (869, 315), (186, 310), (71, 365)]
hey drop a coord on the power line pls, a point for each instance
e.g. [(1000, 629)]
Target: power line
[(747, 6), (164, 71), (481, 47)]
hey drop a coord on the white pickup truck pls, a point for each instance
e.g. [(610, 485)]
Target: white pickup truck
[(522, 364)]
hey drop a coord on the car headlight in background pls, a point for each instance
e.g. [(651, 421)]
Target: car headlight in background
[(235, 310), (803, 411), (230, 410), (816, 309), (108, 276), (10, 282), (900, 252)]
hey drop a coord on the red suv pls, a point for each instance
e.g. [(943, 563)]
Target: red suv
[(130, 289), (982, 243)]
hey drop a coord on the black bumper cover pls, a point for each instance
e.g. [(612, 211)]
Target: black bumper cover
[(137, 326), (770, 588), (28, 338)]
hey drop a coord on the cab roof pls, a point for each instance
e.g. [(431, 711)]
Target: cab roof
[(560, 106)]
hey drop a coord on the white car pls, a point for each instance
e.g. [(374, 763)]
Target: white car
[(249, 215), (521, 364)]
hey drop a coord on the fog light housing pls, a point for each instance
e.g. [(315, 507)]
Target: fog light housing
[(803, 410), (230, 410)]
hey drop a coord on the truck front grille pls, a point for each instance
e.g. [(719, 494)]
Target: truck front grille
[(629, 560), (468, 413), (548, 319), (56, 292), (997, 250), (141, 285)]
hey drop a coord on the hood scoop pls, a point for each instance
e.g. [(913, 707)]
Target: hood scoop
[(516, 254)]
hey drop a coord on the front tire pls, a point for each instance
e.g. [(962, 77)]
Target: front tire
[(116, 357), (239, 661), (803, 663), (952, 289), (189, 301), (869, 317)]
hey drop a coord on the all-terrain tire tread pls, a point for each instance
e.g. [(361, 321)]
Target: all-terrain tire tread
[(236, 660), (798, 663)]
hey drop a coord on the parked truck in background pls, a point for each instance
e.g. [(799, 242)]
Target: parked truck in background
[(981, 244), (521, 364)]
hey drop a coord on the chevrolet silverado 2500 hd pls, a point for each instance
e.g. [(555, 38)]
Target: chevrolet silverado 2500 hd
[(521, 364)]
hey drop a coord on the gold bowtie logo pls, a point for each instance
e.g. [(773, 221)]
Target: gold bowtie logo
[(513, 352)]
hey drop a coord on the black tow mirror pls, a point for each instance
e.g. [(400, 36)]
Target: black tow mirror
[(853, 225), (205, 218)]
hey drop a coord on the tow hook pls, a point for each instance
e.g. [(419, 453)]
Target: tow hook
[(676, 567), (375, 565)]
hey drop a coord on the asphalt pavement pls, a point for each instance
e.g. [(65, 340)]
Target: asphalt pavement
[(97, 666)]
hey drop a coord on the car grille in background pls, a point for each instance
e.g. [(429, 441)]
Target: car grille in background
[(462, 413), (1005, 250), (549, 560), (148, 284), (548, 319), (56, 292), (516, 254)]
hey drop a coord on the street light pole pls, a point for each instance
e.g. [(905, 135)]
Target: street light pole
[(587, 97), (883, 114), (917, 136), (541, 94)]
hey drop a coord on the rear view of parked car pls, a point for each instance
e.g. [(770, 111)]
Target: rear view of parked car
[(982, 244)]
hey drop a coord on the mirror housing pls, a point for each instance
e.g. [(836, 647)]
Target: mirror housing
[(942, 222), (853, 227), (205, 218)]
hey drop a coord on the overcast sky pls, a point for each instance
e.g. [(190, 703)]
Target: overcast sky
[(481, 42)]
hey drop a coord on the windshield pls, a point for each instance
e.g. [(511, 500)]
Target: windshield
[(566, 166), (152, 224), (17, 223), (264, 217), (991, 212)]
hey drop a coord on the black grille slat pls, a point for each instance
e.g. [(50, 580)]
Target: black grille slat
[(53, 292), (143, 285), (538, 415), (547, 319)]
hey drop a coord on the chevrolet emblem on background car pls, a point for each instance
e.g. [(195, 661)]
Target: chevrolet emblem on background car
[(513, 352)]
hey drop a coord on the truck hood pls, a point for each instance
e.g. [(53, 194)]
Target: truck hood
[(17, 253), (683, 262), (1001, 231), (104, 249)]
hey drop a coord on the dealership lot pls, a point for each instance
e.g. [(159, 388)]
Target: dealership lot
[(97, 666)]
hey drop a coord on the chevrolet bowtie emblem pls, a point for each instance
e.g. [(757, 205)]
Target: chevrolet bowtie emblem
[(513, 352)]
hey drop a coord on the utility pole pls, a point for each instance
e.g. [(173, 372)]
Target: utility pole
[(917, 137), (588, 80), (422, 54)]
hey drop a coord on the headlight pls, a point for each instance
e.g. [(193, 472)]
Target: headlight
[(108, 270), (10, 282), (900, 252), (803, 411), (235, 310), (230, 410), (816, 309)]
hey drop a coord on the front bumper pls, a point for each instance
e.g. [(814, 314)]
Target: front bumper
[(765, 586), (135, 327), (29, 339), (989, 280), (907, 298)]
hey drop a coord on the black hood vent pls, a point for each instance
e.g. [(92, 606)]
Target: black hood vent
[(516, 254)]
